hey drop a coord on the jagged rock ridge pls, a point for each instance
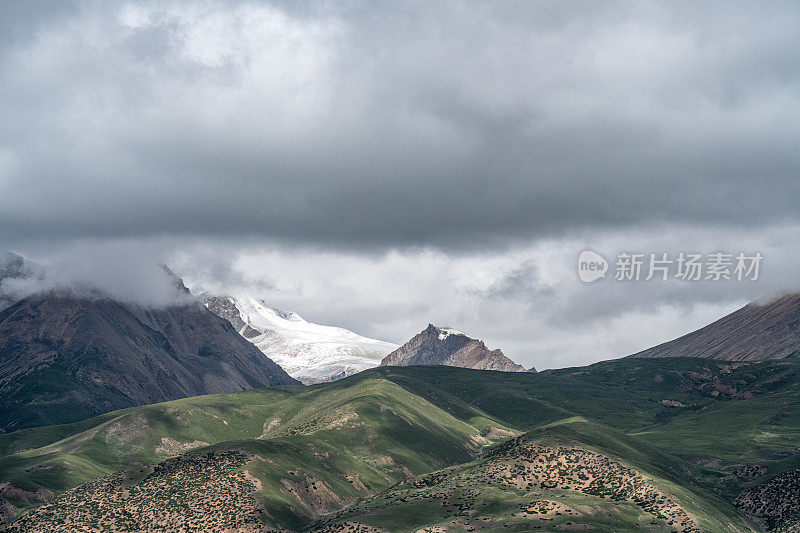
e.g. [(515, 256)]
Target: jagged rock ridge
[(445, 346)]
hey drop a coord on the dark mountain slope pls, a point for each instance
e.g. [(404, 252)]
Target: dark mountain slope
[(64, 358), (756, 331)]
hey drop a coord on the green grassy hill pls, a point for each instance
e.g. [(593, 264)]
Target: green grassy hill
[(550, 478), (367, 426), (700, 432)]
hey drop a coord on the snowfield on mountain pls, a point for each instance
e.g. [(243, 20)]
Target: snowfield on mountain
[(312, 353)]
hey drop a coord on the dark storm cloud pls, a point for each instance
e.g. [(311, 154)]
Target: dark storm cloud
[(374, 125), (19, 19)]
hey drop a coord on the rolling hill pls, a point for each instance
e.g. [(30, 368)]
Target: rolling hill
[(368, 428), (676, 440), (549, 479)]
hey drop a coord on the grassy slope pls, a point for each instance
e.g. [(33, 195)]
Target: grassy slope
[(624, 393), (465, 496), (425, 418), (731, 414), (379, 430)]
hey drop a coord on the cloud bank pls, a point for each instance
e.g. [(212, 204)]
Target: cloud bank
[(368, 126), (96, 271), (528, 300), (384, 165)]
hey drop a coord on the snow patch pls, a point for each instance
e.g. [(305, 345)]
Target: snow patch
[(446, 332)]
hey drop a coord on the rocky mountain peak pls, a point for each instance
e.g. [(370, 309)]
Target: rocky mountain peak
[(437, 345)]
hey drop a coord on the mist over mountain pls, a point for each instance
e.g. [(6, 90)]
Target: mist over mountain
[(77, 340), (92, 272), (14, 269), (241, 127)]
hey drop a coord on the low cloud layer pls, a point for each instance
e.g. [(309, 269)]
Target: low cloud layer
[(528, 300), (116, 271)]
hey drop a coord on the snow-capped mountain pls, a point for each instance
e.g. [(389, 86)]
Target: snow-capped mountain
[(309, 352)]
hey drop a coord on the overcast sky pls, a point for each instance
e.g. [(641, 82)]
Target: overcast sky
[(382, 165)]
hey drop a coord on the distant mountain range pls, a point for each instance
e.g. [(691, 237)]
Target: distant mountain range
[(64, 358), (445, 346), (759, 330), (309, 352)]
